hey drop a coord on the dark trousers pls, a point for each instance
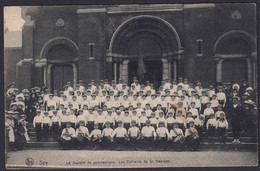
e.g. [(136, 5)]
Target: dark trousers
[(127, 126), (179, 146), (162, 142), (82, 142), (119, 141), (100, 126), (169, 126), (200, 130), (191, 143), (46, 131), (154, 125), (222, 134), (106, 142), (236, 131), (68, 144), (142, 125), (134, 142), (203, 107), (221, 102), (147, 142), (90, 126), (55, 129), (63, 125), (38, 130), (211, 131), (116, 125)]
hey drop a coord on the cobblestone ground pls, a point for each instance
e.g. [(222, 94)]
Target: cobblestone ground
[(89, 159)]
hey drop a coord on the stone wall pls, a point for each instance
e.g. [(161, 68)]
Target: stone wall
[(11, 57)]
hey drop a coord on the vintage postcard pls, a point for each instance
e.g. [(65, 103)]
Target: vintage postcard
[(131, 85)]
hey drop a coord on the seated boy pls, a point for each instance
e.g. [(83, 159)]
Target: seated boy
[(95, 136), (68, 137), (176, 135), (148, 135), (162, 135), (134, 135), (107, 134), (82, 134), (192, 136), (119, 135)]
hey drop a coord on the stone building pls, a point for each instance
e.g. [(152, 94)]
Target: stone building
[(207, 42)]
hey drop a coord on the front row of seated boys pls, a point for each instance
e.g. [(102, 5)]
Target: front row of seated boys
[(147, 138)]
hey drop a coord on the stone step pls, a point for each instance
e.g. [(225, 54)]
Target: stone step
[(202, 146)]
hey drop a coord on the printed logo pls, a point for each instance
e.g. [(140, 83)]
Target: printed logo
[(29, 161)]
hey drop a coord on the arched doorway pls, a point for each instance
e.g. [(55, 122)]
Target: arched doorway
[(61, 63), (235, 58), (150, 37)]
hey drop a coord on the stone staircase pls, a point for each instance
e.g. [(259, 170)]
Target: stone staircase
[(248, 142)]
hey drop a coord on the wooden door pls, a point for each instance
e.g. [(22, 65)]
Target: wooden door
[(61, 74), (234, 71)]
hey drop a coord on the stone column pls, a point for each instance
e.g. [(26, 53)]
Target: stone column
[(175, 69), (170, 71), (165, 68), (115, 71), (75, 75), (124, 71), (249, 71), (219, 70), (48, 79), (109, 66)]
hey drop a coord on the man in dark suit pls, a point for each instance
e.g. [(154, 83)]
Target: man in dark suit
[(236, 114)]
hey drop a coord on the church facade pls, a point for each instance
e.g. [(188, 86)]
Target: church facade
[(207, 42)]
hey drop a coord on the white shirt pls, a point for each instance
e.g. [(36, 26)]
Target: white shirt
[(70, 130), (222, 124), (211, 122), (177, 130), (148, 131), (107, 132), (162, 132), (37, 119), (95, 133), (194, 112), (208, 111), (133, 131), (119, 132), (82, 129)]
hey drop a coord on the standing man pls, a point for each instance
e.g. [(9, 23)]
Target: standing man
[(236, 118)]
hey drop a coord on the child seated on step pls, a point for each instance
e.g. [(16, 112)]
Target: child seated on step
[(106, 135), (134, 135), (95, 136), (162, 135), (82, 134), (148, 135), (119, 135), (68, 137)]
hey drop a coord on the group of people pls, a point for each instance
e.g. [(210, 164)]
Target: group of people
[(109, 115)]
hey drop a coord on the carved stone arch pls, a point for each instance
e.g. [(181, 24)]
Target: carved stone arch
[(58, 41), (246, 54), (236, 34), (115, 34), (47, 47)]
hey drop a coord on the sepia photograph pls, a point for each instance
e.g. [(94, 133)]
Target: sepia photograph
[(131, 85)]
